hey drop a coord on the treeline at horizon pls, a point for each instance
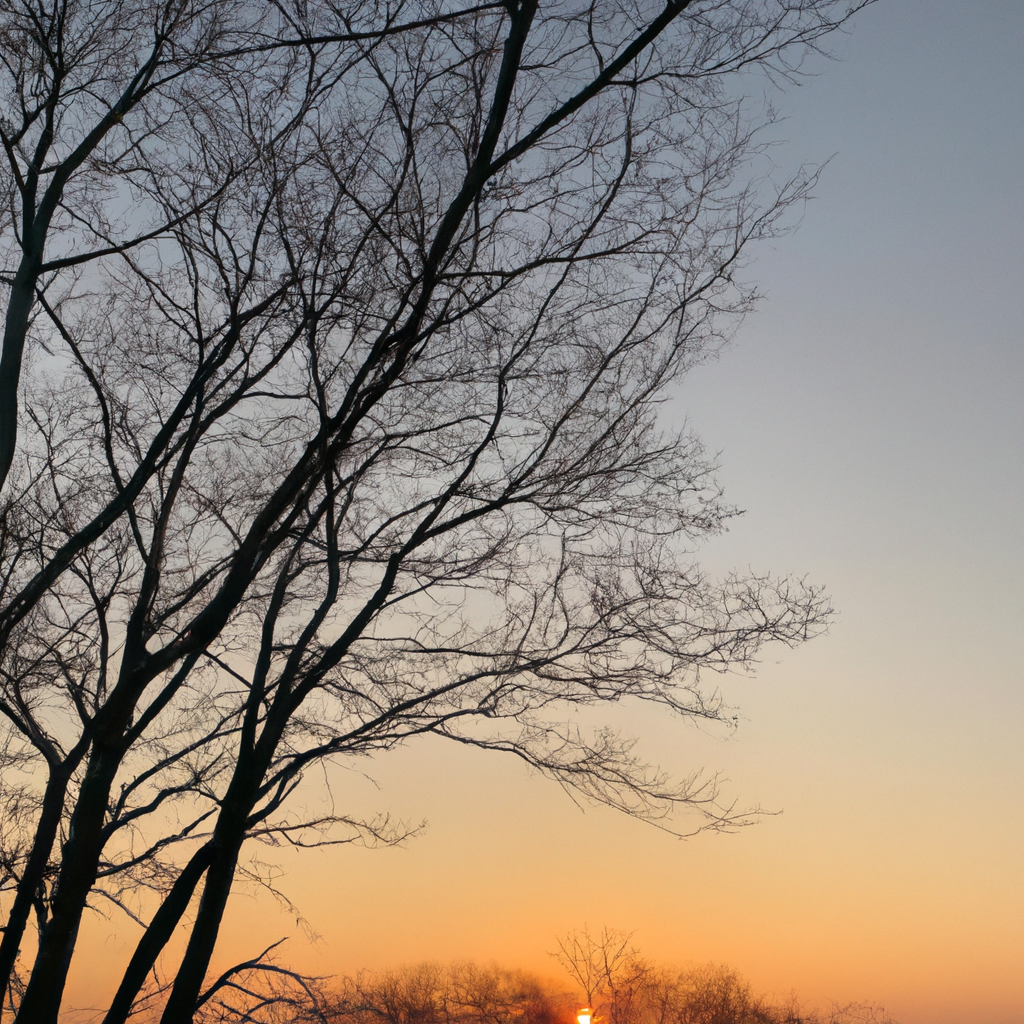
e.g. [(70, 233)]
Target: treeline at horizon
[(610, 982)]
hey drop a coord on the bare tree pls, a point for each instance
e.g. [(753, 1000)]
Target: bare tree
[(608, 969), (623, 987), (460, 993), (346, 328)]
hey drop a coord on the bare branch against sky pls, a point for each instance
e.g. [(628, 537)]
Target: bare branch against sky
[(335, 339)]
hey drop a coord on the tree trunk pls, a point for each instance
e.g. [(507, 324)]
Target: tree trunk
[(19, 309), (79, 865), (156, 936), (188, 981), (35, 868)]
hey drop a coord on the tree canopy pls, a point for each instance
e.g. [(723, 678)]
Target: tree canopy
[(335, 340)]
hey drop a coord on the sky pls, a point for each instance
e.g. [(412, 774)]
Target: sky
[(869, 419)]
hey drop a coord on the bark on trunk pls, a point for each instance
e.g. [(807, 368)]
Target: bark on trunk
[(191, 973), (19, 309), (160, 929), (35, 868), (79, 864)]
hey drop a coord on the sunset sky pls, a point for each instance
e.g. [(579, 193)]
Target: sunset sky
[(870, 420)]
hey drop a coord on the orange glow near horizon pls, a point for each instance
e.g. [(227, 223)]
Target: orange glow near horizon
[(800, 903)]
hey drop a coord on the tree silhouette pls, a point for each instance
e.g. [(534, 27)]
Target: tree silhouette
[(334, 345)]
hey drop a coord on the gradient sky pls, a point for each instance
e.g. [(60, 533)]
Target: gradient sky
[(870, 419)]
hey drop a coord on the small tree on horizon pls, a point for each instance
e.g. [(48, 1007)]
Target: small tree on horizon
[(624, 987)]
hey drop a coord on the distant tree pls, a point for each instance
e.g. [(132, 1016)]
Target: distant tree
[(855, 1013), (623, 987), (710, 994), (262, 992), (334, 342), (612, 975), (460, 993)]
